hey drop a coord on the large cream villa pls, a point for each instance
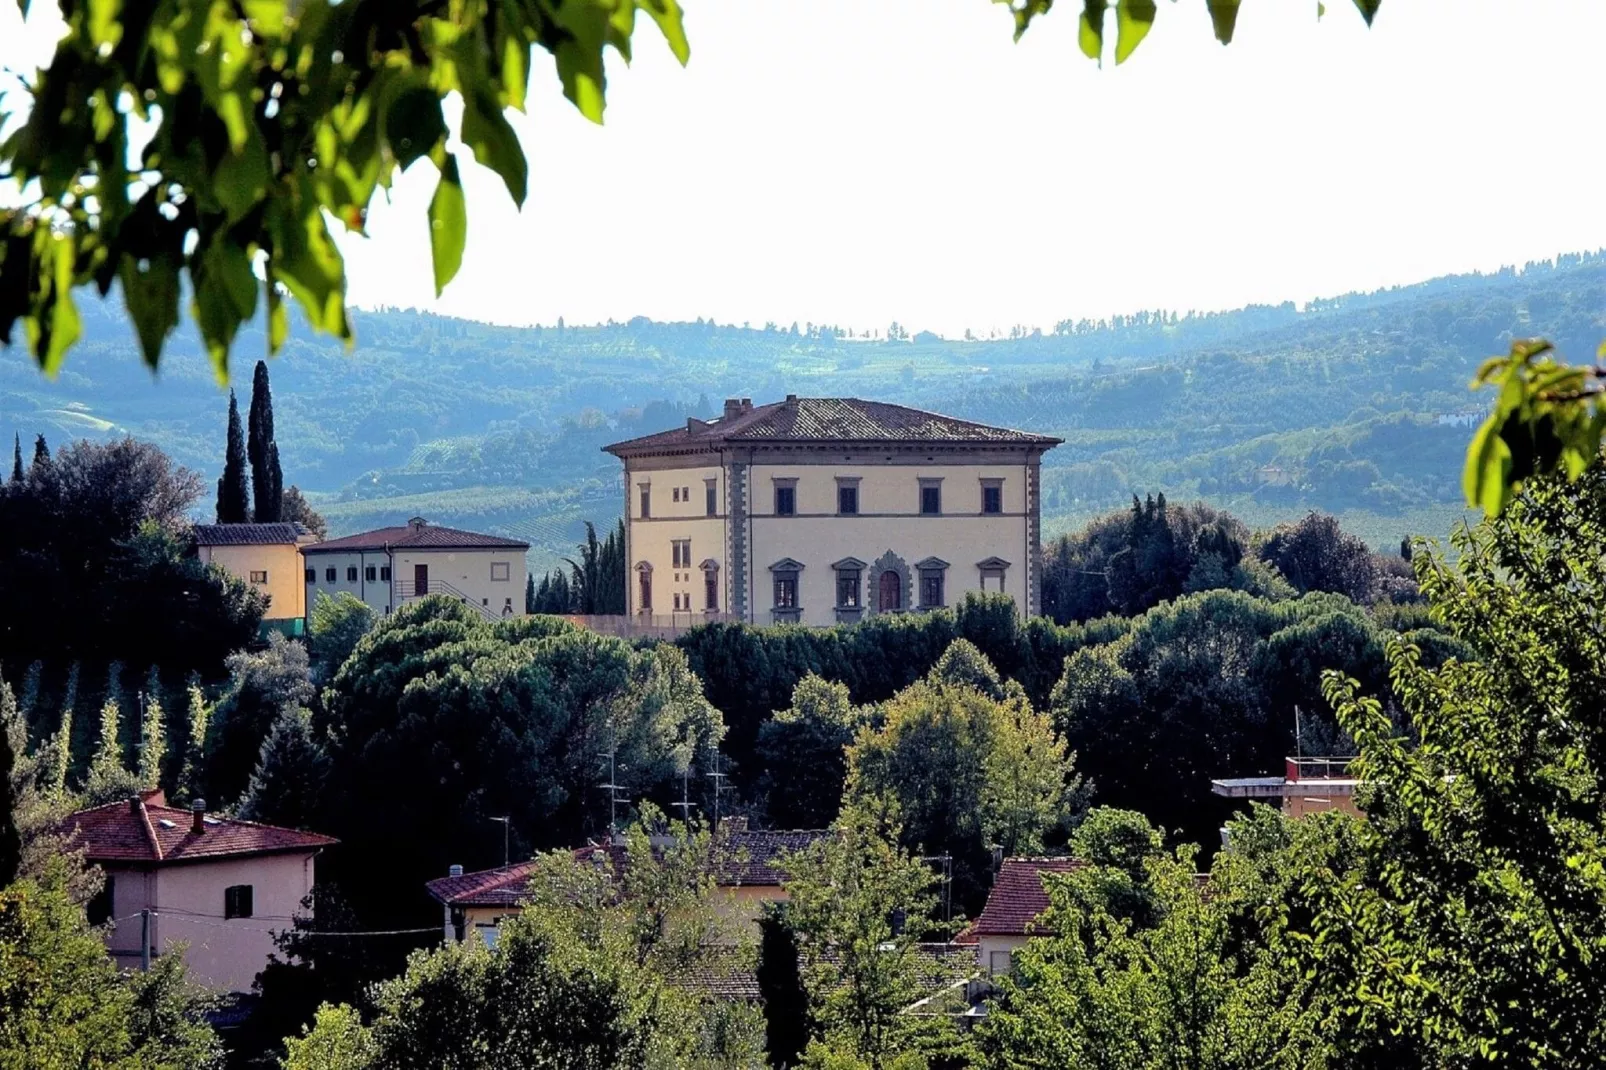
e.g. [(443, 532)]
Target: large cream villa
[(391, 566), (821, 510)]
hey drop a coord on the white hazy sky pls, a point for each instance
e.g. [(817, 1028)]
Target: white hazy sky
[(861, 161)]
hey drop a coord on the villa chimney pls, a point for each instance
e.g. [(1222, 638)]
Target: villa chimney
[(454, 871), (136, 805), (198, 816), (747, 404), (416, 523), (791, 401), (733, 408)]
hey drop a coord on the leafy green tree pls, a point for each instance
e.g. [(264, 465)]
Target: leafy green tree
[(288, 783), (10, 752), (263, 685), (858, 904), (337, 1040), (589, 974), (336, 626), (1316, 555), (803, 751), (267, 478), (1141, 965), (60, 762), (233, 490), (1476, 927), (529, 593), (441, 719), (1204, 687), (968, 766), (65, 1004), (296, 509)]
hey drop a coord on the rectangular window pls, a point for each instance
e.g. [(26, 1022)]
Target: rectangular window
[(992, 498), (677, 601), (646, 501), (713, 500), (237, 901), (685, 494), (711, 591), (786, 590), (351, 573), (674, 494), (847, 499), (384, 573), (99, 908), (371, 573), (930, 588), (992, 580), (501, 571), (312, 575), (644, 598), (930, 499), (847, 589), (786, 500), (329, 575), (259, 577), (680, 552)]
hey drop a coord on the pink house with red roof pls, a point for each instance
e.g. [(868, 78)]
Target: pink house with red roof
[(219, 886), (1018, 897)]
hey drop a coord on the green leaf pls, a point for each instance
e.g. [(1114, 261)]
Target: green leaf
[(55, 325), (150, 293), (309, 264), (1090, 29), (487, 131), (448, 225), (242, 178), (278, 318), (1224, 16), (671, 23), (105, 25), (579, 56), (225, 297), (1133, 20), (414, 124), (1368, 9)]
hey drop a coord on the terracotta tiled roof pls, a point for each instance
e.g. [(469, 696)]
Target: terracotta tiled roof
[(416, 535), (1018, 896), (503, 886), (286, 534), (829, 420), (754, 862), (724, 974), (150, 831)]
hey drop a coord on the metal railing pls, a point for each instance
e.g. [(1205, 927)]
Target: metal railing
[(1332, 768), (406, 591)]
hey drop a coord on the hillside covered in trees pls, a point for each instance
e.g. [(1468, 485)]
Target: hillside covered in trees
[(1356, 405)]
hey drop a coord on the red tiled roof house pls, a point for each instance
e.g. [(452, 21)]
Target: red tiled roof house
[(218, 885), (477, 902), (1017, 898)]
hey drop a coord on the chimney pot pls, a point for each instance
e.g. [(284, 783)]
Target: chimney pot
[(747, 404), (454, 871), (416, 523), (733, 408), (791, 400), (198, 816), (136, 805)]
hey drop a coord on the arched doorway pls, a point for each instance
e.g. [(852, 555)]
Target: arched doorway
[(891, 592)]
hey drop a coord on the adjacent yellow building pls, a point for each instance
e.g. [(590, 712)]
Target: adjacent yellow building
[(824, 510), (267, 556)]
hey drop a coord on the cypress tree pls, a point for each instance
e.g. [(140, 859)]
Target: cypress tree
[(16, 459), (189, 779), (267, 478), (152, 733), (529, 592), (287, 786), (41, 452), (61, 745), (233, 496)]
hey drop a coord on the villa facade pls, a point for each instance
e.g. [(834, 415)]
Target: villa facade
[(824, 510)]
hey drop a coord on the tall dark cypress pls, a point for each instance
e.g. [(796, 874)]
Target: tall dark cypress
[(41, 452), (267, 479), (16, 459), (233, 494)]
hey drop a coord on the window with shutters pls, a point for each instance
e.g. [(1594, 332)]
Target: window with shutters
[(238, 901)]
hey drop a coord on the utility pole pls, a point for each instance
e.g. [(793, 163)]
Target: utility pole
[(505, 823), (145, 940)]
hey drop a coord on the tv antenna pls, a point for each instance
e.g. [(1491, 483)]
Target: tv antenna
[(718, 776), (685, 805), (1299, 733), (613, 788)]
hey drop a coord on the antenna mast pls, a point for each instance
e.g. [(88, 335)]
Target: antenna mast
[(685, 805), (719, 778), (613, 787)]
